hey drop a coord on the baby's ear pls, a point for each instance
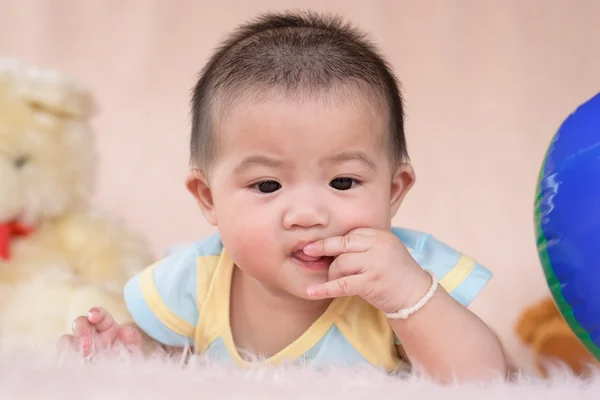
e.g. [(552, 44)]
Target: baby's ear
[(48, 91), (402, 181), (198, 186)]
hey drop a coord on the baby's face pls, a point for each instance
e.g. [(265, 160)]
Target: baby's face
[(291, 172)]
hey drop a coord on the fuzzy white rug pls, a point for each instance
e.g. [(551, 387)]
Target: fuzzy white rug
[(26, 376)]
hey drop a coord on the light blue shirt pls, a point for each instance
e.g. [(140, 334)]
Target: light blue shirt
[(165, 303)]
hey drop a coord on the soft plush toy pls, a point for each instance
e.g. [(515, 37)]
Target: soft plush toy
[(553, 342), (58, 256)]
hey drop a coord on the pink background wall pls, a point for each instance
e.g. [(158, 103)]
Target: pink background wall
[(486, 84)]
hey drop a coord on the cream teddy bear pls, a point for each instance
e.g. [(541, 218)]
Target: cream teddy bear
[(58, 256)]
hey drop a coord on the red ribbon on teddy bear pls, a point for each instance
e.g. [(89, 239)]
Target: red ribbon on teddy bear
[(8, 231)]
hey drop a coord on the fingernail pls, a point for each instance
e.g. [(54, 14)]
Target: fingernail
[(85, 343), (308, 248), (93, 314)]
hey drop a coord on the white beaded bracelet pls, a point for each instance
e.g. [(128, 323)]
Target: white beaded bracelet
[(404, 313)]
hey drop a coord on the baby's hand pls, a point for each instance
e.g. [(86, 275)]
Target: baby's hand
[(373, 264), (99, 331)]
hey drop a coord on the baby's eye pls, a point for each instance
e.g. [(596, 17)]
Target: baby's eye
[(268, 186), (342, 183)]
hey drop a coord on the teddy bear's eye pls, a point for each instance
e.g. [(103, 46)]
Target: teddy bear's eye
[(20, 161)]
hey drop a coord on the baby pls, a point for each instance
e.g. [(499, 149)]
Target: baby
[(299, 157)]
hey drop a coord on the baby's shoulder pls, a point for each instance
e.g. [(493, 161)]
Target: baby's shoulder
[(414, 240), (205, 247), (164, 298), (425, 247), (459, 274), (191, 261)]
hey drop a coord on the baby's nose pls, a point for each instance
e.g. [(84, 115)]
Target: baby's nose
[(305, 217)]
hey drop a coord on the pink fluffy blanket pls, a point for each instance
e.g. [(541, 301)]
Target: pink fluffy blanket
[(35, 376)]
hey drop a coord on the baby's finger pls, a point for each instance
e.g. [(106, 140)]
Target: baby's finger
[(131, 339), (363, 231), (130, 336), (344, 265), (67, 343), (347, 286), (336, 245), (107, 328), (84, 332)]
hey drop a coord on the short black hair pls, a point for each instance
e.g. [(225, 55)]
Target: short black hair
[(295, 52)]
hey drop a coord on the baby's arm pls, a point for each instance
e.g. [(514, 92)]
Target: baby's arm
[(444, 338), (448, 341)]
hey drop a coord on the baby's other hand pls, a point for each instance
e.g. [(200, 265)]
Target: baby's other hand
[(99, 331)]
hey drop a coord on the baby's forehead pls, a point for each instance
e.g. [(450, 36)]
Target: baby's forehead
[(346, 118), (358, 102), (293, 137), (301, 129)]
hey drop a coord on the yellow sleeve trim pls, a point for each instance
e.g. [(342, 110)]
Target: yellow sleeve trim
[(160, 309), (458, 273)]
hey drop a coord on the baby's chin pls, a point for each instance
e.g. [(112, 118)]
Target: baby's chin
[(301, 284), (293, 288)]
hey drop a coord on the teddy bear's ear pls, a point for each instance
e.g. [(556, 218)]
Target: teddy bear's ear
[(48, 91), (63, 102)]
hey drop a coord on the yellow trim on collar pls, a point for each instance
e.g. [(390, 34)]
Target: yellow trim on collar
[(219, 298), (458, 273), (159, 308), (208, 327)]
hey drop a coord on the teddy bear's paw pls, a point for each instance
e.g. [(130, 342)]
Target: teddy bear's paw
[(556, 344), (530, 321), (105, 250)]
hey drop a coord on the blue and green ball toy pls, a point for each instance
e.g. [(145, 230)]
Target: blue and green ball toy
[(567, 221)]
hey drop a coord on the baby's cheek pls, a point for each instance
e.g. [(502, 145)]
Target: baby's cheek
[(249, 241), (366, 213)]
